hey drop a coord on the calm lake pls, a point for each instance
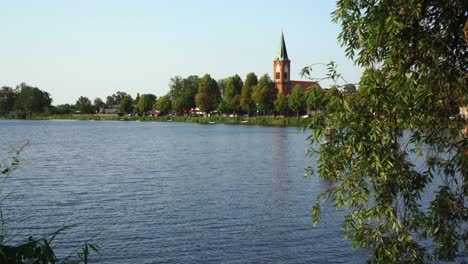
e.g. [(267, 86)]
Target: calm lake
[(151, 192)]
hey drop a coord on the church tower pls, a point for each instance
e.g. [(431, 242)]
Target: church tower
[(282, 69)]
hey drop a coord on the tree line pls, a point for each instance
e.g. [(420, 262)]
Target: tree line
[(24, 100), (228, 96), (234, 96)]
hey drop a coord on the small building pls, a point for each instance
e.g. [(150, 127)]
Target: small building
[(112, 110)]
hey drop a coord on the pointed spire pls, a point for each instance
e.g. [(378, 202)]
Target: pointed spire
[(282, 52)]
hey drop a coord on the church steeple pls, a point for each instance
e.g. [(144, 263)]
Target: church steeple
[(281, 68), (282, 52)]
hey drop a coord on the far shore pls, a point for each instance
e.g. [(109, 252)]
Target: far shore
[(260, 121)]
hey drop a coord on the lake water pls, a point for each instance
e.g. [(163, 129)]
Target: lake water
[(151, 192)]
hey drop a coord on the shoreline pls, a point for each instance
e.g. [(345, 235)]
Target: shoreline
[(259, 121)]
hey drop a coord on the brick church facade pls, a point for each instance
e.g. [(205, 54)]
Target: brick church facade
[(282, 70)]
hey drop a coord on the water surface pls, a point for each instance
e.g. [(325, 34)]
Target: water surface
[(152, 192)]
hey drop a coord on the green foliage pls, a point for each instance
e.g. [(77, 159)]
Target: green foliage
[(264, 94), (316, 99), (208, 95), (415, 77), (297, 100), (63, 109), (83, 104), (349, 88), (232, 94), (164, 104), (222, 108), (126, 105), (31, 100), (333, 100), (98, 103), (246, 102), (281, 104), (116, 98), (183, 91), (7, 100), (146, 103)]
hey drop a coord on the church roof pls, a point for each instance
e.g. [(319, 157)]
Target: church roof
[(282, 52)]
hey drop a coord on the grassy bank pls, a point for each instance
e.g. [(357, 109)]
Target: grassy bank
[(261, 120)]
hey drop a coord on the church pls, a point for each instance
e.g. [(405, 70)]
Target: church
[(281, 72)]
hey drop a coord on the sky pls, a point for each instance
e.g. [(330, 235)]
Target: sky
[(94, 48)]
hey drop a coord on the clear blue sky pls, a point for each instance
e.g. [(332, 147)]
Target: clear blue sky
[(94, 48)]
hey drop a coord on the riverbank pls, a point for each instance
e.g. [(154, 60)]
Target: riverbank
[(260, 121)]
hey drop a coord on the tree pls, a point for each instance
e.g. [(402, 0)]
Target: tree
[(164, 104), (31, 99), (246, 102), (415, 77), (316, 99), (116, 98), (264, 93), (349, 88), (182, 92), (83, 104), (233, 93), (281, 104), (126, 105), (297, 100), (221, 107), (7, 100), (98, 103), (333, 100), (64, 109), (208, 96), (110, 101), (137, 99), (146, 103)]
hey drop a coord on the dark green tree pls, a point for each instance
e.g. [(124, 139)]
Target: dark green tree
[(333, 100), (126, 105), (64, 109), (316, 99), (414, 56), (164, 104), (116, 98), (146, 103), (98, 102), (264, 94), (7, 100), (281, 104), (222, 108), (297, 100), (208, 96), (83, 104), (182, 92), (246, 101), (110, 101), (232, 94), (31, 99)]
